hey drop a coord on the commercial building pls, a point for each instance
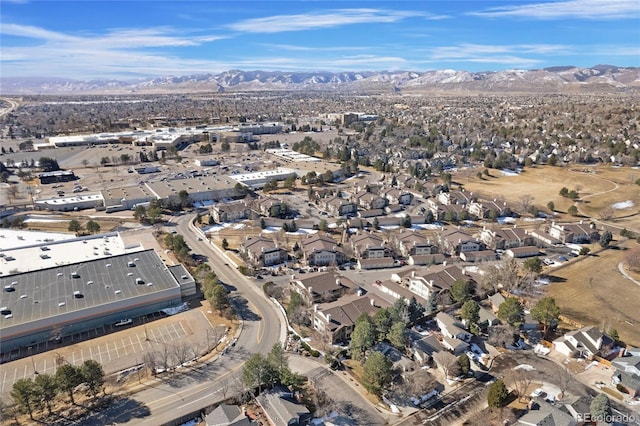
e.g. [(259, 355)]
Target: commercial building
[(67, 299), (258, 179)]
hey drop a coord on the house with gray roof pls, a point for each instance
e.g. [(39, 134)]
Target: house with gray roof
[(228, 415), (627, 373), (282, 409), (544, 414), (584, 342)]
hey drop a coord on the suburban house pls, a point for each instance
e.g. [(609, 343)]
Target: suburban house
[(229, 212), (576, 233), (268, 206), (484, 209), (262, 251), (455, 241), (340, 207), (455, 345), (445, 361), (411, 242), (335, 321), (542, 413), (424, 347), (520, 252), (322, 250), (228, 415), (436, 280), (496, 300), (397, 291), (454, 197), (444, 211), (369, 246), (627, 373), (397, 196), (322, 287), (487, 319), (452, 328), (282, 409), (369, 200), (584, 342), (505, 238)]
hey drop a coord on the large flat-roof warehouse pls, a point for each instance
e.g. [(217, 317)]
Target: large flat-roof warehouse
[(66, 299)]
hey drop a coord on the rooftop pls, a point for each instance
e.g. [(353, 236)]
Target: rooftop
[(49, 292)]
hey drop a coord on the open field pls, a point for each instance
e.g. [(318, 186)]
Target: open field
[(599, 187), (590, 290)]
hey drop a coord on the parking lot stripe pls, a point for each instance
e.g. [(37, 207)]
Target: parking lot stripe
[(184, 332), (100, 354), (4, 379)]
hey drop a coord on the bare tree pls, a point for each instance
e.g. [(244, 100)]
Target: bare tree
[(564, 378), (181, 352), (525, 201), (500, 336), (607, 213), (418, 382), (447, 362), (519, 380), (150, 360)]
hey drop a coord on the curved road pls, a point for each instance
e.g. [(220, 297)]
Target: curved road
[(219, 378)]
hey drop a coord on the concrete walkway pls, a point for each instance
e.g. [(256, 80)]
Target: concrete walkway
[(624, 274)]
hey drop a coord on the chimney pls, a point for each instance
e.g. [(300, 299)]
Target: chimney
[(373, 302), (444, 263), (359, 292), (338, 281), (315, 307), (328, 317)]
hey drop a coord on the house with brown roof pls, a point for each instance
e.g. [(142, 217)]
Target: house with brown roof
[(322, 250), (263, 251), (369, 200), (478, 256), (335, 321), (411, 242), (268, 206), (436, 279), (584, 342), (483, 209), (426, 259), (368, 245), (455, 241), (340, 207), (397, 196), (576, 233), (229, 212), (282, 409), (506, 238), (322, 287), (520, 252)]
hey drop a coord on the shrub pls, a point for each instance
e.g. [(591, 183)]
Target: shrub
[(621, 388)]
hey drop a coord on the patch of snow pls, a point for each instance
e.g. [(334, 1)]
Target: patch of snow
[(507, 172), (238, 226), (526, 367), (426, 226), (217, 227), (389, 227), (622, 205), (507, 219)]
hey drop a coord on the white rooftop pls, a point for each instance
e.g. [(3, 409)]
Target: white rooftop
[(13, 238), (46, 252)]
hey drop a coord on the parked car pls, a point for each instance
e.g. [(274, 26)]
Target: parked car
[(123, 322)]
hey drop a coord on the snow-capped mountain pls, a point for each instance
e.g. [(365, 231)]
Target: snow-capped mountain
[(600, 78)]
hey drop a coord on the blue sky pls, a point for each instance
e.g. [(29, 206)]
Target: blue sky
[(128, 39)]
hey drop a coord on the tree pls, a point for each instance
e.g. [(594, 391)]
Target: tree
[(104, 161), (632, 259), (68, 377), (225, 146), (600, 408), (183, 196), (551, 206), (377, 373), (225, 244), (564, 191), (613, 333), (257, 372), (362, 338), (546, 312), (46, 389), (74, 226), (93, 375), (498, 394), (140, 213), (605, 239), (464, 363), (533, 265), (396, 335), (584, 251), (48, 164), (23, 393), (573, 211), (278, 359), (416, 310), (93, 226), (511, 312), (470, 312), (218, 298), (461, 291), (382, 321)]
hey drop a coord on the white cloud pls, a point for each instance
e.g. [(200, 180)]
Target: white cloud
[(581, 9), (315, 20), (478, 51)]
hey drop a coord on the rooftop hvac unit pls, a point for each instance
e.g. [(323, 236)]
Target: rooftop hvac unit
[(61, 304)]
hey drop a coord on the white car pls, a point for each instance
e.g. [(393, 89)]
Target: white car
[(123, 322), (538, 392)]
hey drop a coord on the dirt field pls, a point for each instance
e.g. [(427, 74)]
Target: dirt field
[(592, 291), (599, 188)]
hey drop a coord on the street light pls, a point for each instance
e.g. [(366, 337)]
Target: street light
[(33, 364)]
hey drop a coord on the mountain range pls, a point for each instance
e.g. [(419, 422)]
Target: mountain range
[(564, 79)]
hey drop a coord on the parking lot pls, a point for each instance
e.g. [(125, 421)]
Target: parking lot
[(118, 350)]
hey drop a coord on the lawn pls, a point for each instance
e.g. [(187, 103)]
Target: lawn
[(590, 290)]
